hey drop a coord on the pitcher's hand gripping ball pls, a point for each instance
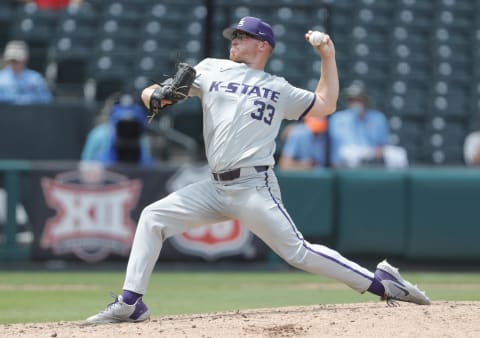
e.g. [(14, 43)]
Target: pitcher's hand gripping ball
[(173, 89), (316, 38)]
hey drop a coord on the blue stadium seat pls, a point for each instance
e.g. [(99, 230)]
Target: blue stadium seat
[(474, 121), (67, 65), (107, 73), (7, 16), (418, 18), (407, 43), (454, 17), (125, 11), (443, 142), (407, 133), (450, 99), (70, 49), (36, 27), (408, 99)]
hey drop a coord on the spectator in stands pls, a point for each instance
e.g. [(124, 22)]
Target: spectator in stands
[(358, 134), (122, 137), (18, 83), (471, 149), (305, 145), (52, 4)]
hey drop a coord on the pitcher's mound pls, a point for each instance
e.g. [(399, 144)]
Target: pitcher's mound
[(441, 319)]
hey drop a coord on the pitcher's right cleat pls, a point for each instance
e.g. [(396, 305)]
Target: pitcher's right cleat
[(121, 312), (397, 288)]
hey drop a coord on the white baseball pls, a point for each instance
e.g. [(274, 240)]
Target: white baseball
[(316, 38)]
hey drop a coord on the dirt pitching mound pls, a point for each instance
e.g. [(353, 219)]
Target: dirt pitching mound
[(441, 319)]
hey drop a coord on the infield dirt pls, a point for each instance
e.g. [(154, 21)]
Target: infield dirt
[(441, 319)]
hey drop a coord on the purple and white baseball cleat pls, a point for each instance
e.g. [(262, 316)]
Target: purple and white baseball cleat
[(397, 288), (121, 312)]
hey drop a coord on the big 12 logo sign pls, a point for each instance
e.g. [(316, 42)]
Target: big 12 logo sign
[(92, 217)]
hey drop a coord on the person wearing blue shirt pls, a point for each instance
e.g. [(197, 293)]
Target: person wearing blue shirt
[(19, 84), (121, 139), (358, 134), (305, 145)]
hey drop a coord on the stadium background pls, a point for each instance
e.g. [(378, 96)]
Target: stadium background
[(419, 60)]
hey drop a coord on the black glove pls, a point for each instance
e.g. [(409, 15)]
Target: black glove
[(174, 89)]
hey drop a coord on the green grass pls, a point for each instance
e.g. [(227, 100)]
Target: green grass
[(61, 296)]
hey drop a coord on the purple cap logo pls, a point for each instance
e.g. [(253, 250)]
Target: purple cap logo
[(254, 26)]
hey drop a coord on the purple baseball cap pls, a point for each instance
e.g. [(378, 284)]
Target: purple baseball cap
[(254, 26)]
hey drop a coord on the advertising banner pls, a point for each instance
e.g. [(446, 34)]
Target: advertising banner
[(89, 213)]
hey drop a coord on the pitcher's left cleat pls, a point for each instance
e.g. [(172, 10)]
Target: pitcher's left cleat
[(397, 288), (121, 312)]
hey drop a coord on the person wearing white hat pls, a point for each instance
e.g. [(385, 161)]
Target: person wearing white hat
[(471, 149), (18, 83)]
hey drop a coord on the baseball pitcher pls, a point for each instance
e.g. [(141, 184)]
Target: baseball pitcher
[(243, 107)]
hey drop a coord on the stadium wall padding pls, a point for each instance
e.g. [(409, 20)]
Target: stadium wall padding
[(418, 213)]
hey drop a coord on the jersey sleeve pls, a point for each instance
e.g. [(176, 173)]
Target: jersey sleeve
[(298, 102), (201, 68)]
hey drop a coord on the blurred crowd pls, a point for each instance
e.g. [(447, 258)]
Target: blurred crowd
[(354, 137), (357, 135)]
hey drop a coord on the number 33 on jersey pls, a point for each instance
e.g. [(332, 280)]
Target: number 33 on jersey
[(246, 108)]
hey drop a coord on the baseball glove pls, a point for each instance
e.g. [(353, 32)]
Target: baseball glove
[(173, 89)]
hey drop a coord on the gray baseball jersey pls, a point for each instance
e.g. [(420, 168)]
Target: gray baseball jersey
[(243, 110)]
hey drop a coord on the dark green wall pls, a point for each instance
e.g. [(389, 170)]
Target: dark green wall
[(372, 212), (44, 132), (308, 198), (416, 213), (444, 214)]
